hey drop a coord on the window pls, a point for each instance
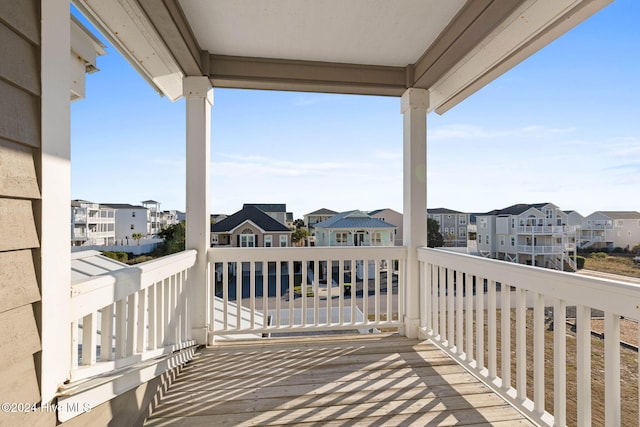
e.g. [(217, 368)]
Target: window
[(479, 238), (463, 220), (513, 223), (483, 223), (133, 214), (283, 240), (501, 240), (462, 232), (513, 241), (486, 239), (341, 238), (132, 226), (376, 238), (268, 241), (247, 239), (214, 239)]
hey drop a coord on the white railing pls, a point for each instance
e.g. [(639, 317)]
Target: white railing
[(540, 249), (542, 229), (259, 291), (451, 311), (130, 315)]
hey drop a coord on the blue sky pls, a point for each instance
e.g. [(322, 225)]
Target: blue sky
[(562, 127)]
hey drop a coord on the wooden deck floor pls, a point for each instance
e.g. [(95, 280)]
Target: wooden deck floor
[(330, 381)]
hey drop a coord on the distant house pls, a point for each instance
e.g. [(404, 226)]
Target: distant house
[(311, 219), (610, 229), (354, 228), (130, 219), (92, 224), (250, 227), (154, 215), (454, 226), (393, 218), (534, 234), (277, 211)]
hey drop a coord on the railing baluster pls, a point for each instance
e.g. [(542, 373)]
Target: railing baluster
[(153, 317), (376, 265), (278, 264), (291, 271), (132, 323), (89, 324), (583, 364), (442, 296), (538, 354), (611, 369), (316, 292), (106, 333), (434, 294), (521, 344), (341, 292), (468, 294), (160, 316), (252, 293), (492, 329), (425, 285), (505, 335), (239, 278), (389, 289), (304, 271), (365, 291), (458, 291), (329, 289), (225, 295), (559, 363), (479, 323), (142, 322), (166, 309), (354, 290), (264, 268), (121, 328), (451, 278)]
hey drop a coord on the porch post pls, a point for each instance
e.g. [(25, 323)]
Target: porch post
[(199, 99), (414, 104)]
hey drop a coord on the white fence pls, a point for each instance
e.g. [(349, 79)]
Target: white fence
[(345, 288), (454, 304), (134, 321)]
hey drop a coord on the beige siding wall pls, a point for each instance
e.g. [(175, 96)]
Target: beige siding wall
[(19, 191)]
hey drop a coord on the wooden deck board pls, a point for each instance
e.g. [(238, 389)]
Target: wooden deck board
[(386, 380)]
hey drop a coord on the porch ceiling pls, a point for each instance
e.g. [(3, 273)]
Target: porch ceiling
[(375, 47)]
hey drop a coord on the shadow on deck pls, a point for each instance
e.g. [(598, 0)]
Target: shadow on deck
[(330, 381)]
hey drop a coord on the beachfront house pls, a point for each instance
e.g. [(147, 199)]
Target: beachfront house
[(141, 325)]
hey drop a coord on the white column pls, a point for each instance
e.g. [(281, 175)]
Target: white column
[(414, 104), (199, 99), (53, 211)]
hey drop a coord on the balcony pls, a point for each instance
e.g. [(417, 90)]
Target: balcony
[(543, 229), (142, 315)]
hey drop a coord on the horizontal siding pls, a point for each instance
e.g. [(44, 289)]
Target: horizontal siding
[(19, 115), (23, 17), (22, 68), (19, 338), (17, 226), (17, 171), (18, 283)]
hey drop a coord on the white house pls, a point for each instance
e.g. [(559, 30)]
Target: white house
[(533, 234), (92, 224), (610, 229), (130, 219), (154, 217), (354, 228)]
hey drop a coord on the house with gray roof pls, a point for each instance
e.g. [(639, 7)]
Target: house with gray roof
[(392, 217), (454, 225), (277, 211), (312, 218), (610, 229), (354, 228), (538, 234), (250, 227)]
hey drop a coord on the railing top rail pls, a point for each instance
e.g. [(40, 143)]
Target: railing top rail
[(94, 293), (226, 254), (615, 296)]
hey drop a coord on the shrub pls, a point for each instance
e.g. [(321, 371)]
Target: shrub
[(118, 256), (599, 255), (580, 260)]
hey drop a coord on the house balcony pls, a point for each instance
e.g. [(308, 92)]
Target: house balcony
[(543, 229), (269, 311), (545, 249)]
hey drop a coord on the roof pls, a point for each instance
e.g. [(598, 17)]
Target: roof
[(92, 263), (249, 213), (353, 219), (516, 209), (122, 206), (268, 207), (451, 48), (322, 211), (620, 214), (443, 211)]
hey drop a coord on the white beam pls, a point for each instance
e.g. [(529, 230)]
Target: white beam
[(414, 105), (199, 99), (55, 187)]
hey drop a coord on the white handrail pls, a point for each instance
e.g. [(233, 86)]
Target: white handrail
[(522, 287), (253, 289)]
